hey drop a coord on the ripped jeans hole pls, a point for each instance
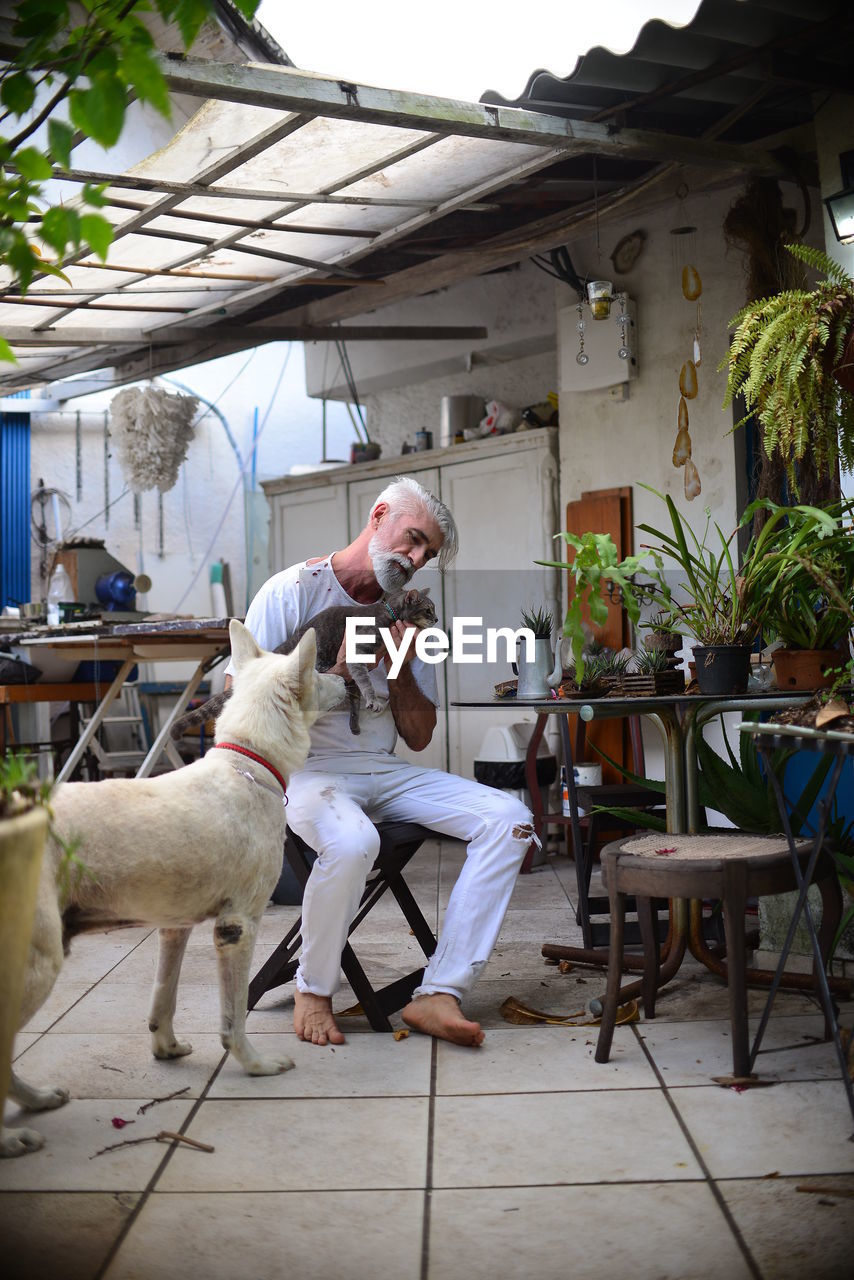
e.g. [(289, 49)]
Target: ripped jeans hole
[(526, 832)]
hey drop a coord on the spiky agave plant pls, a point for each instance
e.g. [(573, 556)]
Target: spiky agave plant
[(782, 360)]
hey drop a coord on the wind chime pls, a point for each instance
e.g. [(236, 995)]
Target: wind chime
[(684, 245)]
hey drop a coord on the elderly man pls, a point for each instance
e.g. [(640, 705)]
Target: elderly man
[(350, 783)]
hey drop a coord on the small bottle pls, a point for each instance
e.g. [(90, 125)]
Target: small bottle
[(58, 591), (564, 793)]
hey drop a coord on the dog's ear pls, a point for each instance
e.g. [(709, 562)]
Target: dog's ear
[(306, 652), (243, 646)]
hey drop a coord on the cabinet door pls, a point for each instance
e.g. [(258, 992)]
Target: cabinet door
[(307, 523), (506, 509), (361, 496)]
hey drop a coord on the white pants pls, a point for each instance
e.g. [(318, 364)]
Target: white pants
[(334, 811)]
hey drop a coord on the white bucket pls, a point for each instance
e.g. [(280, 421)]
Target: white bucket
[(587, 775)]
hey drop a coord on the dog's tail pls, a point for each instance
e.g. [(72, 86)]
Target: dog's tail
[(195, 719)]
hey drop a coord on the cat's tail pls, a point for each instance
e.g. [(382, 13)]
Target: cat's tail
[(195, 719)]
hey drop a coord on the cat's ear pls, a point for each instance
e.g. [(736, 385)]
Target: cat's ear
[(243, 647), (411, 596)]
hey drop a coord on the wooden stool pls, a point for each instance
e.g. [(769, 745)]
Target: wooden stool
[(732, 866)]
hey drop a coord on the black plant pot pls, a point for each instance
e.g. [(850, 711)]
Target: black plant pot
[(722, 668)]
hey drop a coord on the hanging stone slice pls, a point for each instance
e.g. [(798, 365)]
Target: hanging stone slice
[(682, 416), (692, 285), (688, 380), (692, 481), (698, 359), (682, 448)]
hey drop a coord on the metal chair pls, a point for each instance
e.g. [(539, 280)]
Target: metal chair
[(398, 842)]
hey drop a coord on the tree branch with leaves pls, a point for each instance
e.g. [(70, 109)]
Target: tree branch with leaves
[(74, 69)]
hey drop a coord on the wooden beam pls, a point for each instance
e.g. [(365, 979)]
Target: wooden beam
[(131, 182), (248, 335), (285, 89)]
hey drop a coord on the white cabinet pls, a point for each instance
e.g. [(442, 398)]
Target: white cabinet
[(503, 495)]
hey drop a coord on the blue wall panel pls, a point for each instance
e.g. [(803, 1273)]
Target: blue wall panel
[(14, 507)]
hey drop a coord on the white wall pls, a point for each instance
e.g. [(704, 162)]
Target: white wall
[(513, 305), (267, 384)]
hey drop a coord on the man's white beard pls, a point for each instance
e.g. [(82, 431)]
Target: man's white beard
[(391, 571)]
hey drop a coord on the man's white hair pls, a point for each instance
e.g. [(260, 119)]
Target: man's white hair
[(406, 494)]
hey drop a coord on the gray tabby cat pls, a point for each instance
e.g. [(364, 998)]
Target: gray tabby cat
[(410, 606)]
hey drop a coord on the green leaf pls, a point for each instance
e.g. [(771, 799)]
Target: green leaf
[(190, 14), (140, 71), (17, 92), (93, 194), (60, 137), (6, 352), (32, 164), (99, 111), (60, 226), (98, 231)]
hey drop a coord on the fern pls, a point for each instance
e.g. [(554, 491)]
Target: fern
[(779, 362)]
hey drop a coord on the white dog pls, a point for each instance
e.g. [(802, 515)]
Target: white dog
[(203, 842)]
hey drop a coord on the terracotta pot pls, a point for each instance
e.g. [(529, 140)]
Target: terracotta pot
[(805, 668), (22, 842), (722, 668)]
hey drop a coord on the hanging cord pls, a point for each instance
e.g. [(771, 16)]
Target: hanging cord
[(351, 383), (238, 483)]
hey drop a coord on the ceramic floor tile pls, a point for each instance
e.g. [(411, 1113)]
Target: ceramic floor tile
[(537, 891), (542, 1059), (93, 955), (62, 998), (73, 1133), (691, 1052), (695, 994), (123, 1007), (510, 957), (484, 1002), (791, 1128), (23, 1040), (541, 1139), (796, 1227), (351, 1235), (114, 1065), (305, 1144), (366, 1066), (37, 1227), (548, 924), (651, 1231)]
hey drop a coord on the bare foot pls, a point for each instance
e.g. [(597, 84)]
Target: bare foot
[(313, 1020), (440, 1015)]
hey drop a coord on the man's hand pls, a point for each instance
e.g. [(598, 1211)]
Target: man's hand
[(405, 654)]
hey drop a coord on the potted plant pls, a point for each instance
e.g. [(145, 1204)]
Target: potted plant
[(24, 820), (594, 563), (722, 606), (534, 672), (652, 673), (807, 573), (792, 360)]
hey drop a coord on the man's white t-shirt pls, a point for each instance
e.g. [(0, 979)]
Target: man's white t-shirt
[(284, 604)]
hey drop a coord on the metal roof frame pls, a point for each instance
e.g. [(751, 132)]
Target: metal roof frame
[(225, 222)]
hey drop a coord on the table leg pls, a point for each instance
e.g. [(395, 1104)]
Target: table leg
[(534, 789), (94, 724), (163, 740)]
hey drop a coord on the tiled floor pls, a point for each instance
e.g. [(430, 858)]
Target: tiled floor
[(420, 1161)]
